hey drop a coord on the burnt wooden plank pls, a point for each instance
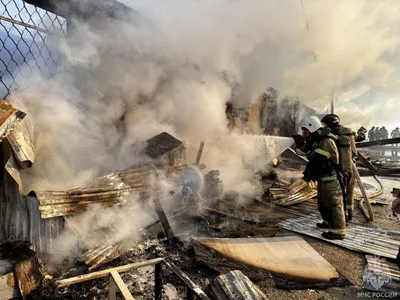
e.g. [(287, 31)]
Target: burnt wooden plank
[(185, 278)]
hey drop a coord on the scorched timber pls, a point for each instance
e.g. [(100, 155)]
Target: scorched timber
[(370, 240), (99, 255)]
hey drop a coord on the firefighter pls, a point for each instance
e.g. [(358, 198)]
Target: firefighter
[(378, 133), (361, 134), (371, 134), (384, 133), (347, 152), (318, 144), (395, 133)]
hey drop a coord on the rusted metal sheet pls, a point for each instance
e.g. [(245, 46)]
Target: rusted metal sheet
[(371, 240), (21, 137), (99, 255), (109, 190), (113, 189), (9, 116), (289, 257), (234, 286)]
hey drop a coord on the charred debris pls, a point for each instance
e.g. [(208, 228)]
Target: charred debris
[(201, 244)]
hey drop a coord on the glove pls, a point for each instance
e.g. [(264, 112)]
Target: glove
[(298, 139)]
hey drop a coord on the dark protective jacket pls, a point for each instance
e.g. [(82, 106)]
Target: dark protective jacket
[(384, 133), (360, 136), (323, 160)]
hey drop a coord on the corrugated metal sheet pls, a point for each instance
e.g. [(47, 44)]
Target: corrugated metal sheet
[(234, 286), (381, 275), (109, 190), (113, 189), (20, 219), (20, 215), (371, 240)]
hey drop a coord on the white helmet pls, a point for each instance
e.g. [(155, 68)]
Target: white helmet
[(311, 123)]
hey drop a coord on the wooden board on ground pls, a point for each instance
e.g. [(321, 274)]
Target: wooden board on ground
[(28, 275), (288, 257), (107, 272), (8, 290)]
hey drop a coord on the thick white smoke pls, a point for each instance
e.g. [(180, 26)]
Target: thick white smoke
[(123, 82)]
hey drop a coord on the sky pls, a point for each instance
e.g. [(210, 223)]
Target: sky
[(311, 24)]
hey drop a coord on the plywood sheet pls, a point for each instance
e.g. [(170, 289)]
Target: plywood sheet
[(290, 257)]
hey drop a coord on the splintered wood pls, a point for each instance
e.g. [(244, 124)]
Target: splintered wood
[(359, 238), (288, 257), (28, 275), (99, 255), (297, 192)]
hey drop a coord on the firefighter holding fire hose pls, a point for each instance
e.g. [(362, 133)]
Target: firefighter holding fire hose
[(319, 145), (346, 139)]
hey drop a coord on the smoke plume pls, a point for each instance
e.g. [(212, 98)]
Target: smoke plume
[(122, 82)]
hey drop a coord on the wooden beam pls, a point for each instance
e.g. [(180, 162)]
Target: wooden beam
[(158, 282), (200, 152), (121, 286), (378, 143), (388, 171), (112, 289), (189, 283), (366, 163), (105, 273), (164, 220), (364, 193)]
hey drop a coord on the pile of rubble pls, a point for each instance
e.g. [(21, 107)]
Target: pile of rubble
[(228, 250)]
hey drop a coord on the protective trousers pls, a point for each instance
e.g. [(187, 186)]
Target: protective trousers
[(330, 205)]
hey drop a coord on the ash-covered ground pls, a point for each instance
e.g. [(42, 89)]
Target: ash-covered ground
[(248, 212)]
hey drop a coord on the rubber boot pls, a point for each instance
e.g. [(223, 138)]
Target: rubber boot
[(333, 236), (322, 225)]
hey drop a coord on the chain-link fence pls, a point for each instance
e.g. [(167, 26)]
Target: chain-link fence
[(26, 34)]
